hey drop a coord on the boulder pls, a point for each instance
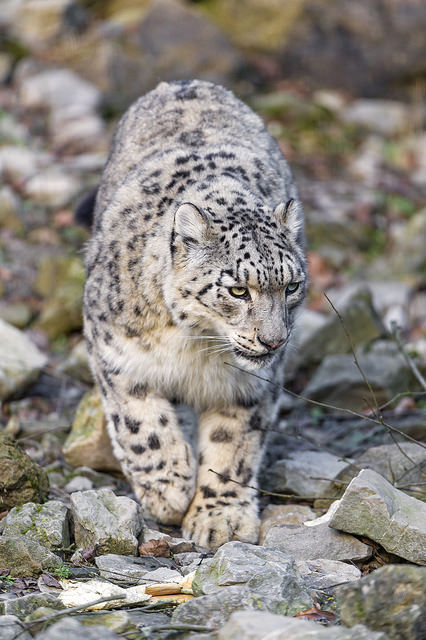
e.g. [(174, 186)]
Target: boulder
[(11, 628), (384, 117), (259, 625), (69, 628), (88, 442), (20, 360), (319, 541), (216, 607), (26, 557), (22, 162), (105, 521), (325, 574), (26, 605), (270, 576), (372, 507), (52, 187), (283, 514), (47, 523), (392, 599), (21, 479), (113, 566)]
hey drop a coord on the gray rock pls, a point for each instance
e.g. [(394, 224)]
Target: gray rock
[(10, 627), (259, 625), (52, 187), (305, 473), (309, 543), (26, 557), (69, 629), (395, 463), (109, 523), (392, 599), (47, 523), (58, 89), (20, 360), (325, 574), (408, 253), (385, 117), (22, 162), (21, 479), (26, 605), (215, 608), (283, 514), (188, 561), (78, 483), (338, 381), (177, 545), (117, 567), (270, 576), (371, 506)]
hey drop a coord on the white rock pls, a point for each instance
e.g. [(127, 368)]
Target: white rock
[(20, 360), (79, 593), (325, 574), (52, 187), (59, 89), (22, 162), (78, 483), (386, 117)]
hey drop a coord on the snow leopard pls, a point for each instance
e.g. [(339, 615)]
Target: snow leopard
[(196, 268)]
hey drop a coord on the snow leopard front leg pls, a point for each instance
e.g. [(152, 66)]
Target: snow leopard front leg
[(230, 444), (147, 439)]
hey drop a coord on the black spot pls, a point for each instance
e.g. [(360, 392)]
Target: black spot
[(220, 434), (137, 448), (147, 469), (161, 465), (132, 424), (116, 420), (207, 492), (200, 458), (138, 390), (163, 419), (153, 441), (229, 494)]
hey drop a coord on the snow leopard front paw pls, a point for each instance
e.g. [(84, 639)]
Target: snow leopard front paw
[(211, 524)]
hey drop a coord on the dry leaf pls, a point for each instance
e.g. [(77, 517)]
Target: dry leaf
[(179, 598), (50, 581), (165, 589), (156, 548), (316, 614)]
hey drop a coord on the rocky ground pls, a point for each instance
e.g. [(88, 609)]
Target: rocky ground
[(341, 553)]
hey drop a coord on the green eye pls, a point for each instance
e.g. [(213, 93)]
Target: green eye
[(239, 292), (292, 287)]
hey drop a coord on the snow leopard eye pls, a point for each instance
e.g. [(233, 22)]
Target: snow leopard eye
[(292, 287), (239, 292)]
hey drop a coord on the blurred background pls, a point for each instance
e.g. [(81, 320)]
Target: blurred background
[(341, 85)]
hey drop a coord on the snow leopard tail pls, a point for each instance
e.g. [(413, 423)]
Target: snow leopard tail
[(84, 211)]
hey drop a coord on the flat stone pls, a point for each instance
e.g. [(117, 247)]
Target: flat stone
[(47, 523), (20, 360), (10, 627), (177, 545), (116, 567), (325, 574), (78, 483), (88, 442), (108, 522), (306, 473), (52, 187), (283, 514), (270, 576), (372, 507), (26, 557), (391, 599), (259, 625), (216, 607), (21, 479), (26, 605), (69, 629), (309, 543)]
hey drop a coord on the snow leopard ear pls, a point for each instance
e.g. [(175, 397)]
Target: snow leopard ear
[(191, 223), (290, 214)]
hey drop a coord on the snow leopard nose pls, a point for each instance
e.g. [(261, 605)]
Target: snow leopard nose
[(271, 346)]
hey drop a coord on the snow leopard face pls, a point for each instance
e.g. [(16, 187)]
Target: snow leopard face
[(239, 277)]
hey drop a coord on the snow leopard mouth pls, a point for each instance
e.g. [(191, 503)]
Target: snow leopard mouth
[(260, 359)]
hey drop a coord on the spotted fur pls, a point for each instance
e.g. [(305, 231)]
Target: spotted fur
[(195, 270)]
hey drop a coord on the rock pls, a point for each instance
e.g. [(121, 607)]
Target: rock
[(365, 37), (188, 561), (69, 628), (113, 566), (372, 507), (214, 608), (391, 599), (78, 483), (17, 314), (116, 621), (408, 251), (11, 628), (384, 117), (61, 281), (58, 90), (52, 187), (309, 543), (109, 523), (46, 523), (20, 360), (283, 514), (259, 625), (26, 605), (21, 163), (77, 133), (338, 381), (324, 574), (10, 211), (21, 479), (176, 545), (77, 364), (26, 557), (88, 442), (390, 462), (37, 22), (305, 473), (270, 576), (361, 321)]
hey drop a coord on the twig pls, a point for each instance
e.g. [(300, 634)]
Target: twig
[(399, 395), (178, 627), (406, 356), (290, 496), (325, 405)]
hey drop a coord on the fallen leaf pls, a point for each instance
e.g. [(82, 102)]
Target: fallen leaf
[(156, 548), (3, 514), (316, 614), (50, 581)]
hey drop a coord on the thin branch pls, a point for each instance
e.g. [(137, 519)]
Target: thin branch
[(290, 496), (415, 370)]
